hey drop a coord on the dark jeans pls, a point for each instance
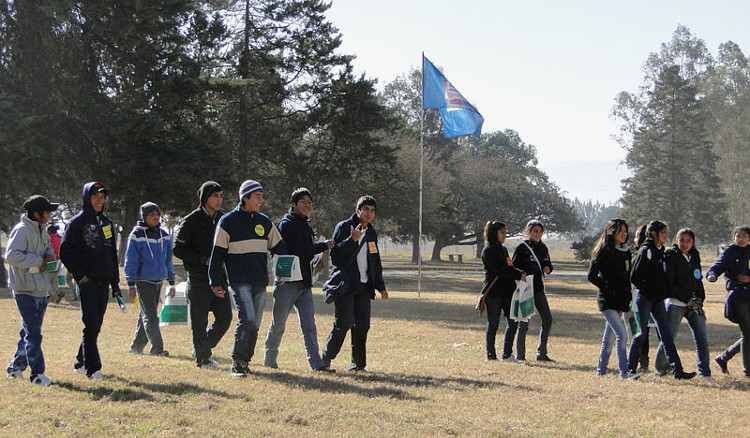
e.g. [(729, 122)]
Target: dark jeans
[(656, 308), (201, 300), (352, 311), (494, 310), (147, 328), (542, 309), (742, 311), (93, 296), (29, 350), (511, 329)]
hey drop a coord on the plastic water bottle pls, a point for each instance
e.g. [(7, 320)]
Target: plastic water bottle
[(120, 302)]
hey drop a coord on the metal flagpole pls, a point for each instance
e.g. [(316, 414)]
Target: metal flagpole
[(421, 172)]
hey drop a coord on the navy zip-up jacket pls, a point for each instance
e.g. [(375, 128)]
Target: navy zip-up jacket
[(344, 257), (299, 239), (194, 242), (524, 260), (241, 243), (89, 248), (732, 262)]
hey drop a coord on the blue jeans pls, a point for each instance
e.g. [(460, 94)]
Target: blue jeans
[(615, 326), (656, 308), (742, 311), (29, 350), (697, 324), (250, 301), (147, 328), (285, 297)]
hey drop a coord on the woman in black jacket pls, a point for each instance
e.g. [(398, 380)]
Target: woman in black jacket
[(685, 295), (648, 275), (610, 273), (499, 276), (532, 256)]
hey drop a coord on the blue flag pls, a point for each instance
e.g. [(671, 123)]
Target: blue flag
[(459, 116)]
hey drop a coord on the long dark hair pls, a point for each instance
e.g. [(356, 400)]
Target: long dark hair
[(654, 228), (490, 232), (607, 238), (640, 236)]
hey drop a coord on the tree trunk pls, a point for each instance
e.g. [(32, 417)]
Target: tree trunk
[(129, 219), (439, 245), (415, 249), (480, 243)]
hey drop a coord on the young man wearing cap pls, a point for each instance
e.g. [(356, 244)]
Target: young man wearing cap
[(148, 262), (193, 245), (89, 252), (29, 250), (300, 241), (243, 237), (356, 275)]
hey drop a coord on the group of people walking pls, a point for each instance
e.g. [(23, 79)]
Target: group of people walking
[(225, 256), (658, 284)]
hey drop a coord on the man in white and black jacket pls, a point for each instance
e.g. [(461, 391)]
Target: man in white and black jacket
[(193, 245), (356, 275)]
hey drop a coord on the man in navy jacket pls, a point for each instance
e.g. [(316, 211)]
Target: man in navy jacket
[(356, 275)]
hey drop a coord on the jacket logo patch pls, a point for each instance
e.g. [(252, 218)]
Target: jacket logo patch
[(107, 231), (259, 230), (372, 247)]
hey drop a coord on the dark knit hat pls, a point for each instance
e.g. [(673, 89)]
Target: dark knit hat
[(147, 208), (207, 189)]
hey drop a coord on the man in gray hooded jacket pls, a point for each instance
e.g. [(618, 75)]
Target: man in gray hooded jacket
[(29, 251)]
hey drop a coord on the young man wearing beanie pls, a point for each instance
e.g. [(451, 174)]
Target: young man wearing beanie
[(300, 241), (89, 252), (356, 275), (148, 262), (243, 237), (29, 250), (193, 245)]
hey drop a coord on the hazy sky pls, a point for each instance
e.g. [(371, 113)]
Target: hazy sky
[(547, 69)]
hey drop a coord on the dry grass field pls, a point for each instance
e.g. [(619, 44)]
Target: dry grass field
[(422, 381)]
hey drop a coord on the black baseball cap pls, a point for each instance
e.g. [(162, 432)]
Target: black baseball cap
[(39, 203)]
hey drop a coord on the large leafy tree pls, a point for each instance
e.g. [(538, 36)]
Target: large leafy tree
[(673, 164)]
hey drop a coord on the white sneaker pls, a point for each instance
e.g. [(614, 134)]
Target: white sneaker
[(17, 374), (80, 370), (97, 376), (705, 378), (511, 359), (211, 365), (42, 380)]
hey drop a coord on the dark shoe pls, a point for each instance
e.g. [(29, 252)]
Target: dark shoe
[(356, 369), (164, 353), (682, 375), (135, 351), (722, 364), (60, 296), (239, 370), (491, 357), (324, 369), (326, 362), (543, 358)]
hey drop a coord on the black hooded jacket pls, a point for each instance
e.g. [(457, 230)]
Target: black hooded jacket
[(610, 272), (649, 271), (89, 247), (497, 264), (195, 239), (300, 241)]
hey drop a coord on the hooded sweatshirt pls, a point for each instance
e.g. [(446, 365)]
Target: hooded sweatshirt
[(149, 255), (299, 240), (610, 272), (195, 237), (88, 249), (28, 243)]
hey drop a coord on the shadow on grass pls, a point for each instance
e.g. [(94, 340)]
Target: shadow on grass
[(334, 385), (421, 381), (130, 395), (112, 394)]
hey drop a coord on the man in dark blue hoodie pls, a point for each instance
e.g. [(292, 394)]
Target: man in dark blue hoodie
[(89, 252), (300, 241)]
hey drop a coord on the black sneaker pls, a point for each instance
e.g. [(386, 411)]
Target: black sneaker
[(164, 353), (722, 364), (239, 370), (543, 358), (682, 375), (324, 369)]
